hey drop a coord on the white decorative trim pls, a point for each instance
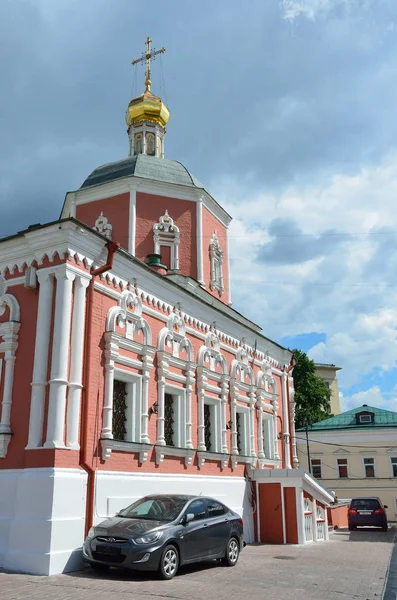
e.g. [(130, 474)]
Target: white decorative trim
[(295, 460), (166, 233), (239, 458), (103, 226), (127, 315), (132, 222), (286, 432), (199, 241), (110, 445), (162, 451), (221, 457), (239, 371), (216, 264), (8, 345)]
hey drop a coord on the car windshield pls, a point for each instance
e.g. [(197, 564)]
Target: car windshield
[(155, 508), (365, 504)]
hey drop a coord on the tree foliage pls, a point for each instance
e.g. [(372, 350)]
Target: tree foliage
[(312, 395)]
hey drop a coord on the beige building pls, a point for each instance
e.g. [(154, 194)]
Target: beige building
[(354, 454), (328, 374)]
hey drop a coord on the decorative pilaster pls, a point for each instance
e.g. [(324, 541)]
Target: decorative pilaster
[(40, 367), (111, 354), (261, 452), (162, 373), (202, 382), (233, 410), (275, 411), (9, 334), (252, 423), (199, 218), (147, 365), (295, 461), (60, 358), (286, 433), (189, 390), (224, 395), (76, 362)]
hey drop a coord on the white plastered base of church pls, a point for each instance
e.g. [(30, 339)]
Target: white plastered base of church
[(42, 511)]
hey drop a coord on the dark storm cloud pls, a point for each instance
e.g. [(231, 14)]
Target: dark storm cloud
[(290, 245), (250, 96)]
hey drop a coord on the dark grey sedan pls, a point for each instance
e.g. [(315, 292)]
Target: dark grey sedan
[(163, 532)]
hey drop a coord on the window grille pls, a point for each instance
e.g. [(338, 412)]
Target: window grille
[(119, 410), (169, 419)]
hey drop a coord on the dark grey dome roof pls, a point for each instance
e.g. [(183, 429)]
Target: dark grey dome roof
[(148, 167)]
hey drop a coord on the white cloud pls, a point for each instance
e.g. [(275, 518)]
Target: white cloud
[(371, 397), (348, 290), (292, 9)]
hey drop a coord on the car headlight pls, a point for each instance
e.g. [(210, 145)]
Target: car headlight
[(91, 532), (149, 538)]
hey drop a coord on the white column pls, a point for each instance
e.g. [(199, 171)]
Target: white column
[(275, 434), (314, 504), (233, 415), (295, 460), (229, 279), (189, 390), (224, 395), (10, 344), (132, 223), (147, 364), (40, 367), (162, 371), (201, 381), (199, 234), (76, 362), (252, 424), (60, 359), (286, 434), (261, 453), (111, 352)]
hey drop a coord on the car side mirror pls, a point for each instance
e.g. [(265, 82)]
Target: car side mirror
[(187, 518), (385, 506)]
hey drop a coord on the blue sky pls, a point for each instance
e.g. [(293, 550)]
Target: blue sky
[(285, 111)]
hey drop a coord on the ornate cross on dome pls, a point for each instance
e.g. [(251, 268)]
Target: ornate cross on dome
[(147, 56)]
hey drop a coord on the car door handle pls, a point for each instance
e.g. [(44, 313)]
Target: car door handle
[(226, 520), (205, 524)]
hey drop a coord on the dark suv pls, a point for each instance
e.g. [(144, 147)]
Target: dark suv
[(367, 512)]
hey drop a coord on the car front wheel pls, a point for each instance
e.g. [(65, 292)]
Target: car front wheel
[(169, 562), (232, 552)]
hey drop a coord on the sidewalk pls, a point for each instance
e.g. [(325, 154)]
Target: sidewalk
[(351, 566)]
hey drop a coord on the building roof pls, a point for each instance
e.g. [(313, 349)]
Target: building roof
[(327, 366), (147, 167), (347, 420)]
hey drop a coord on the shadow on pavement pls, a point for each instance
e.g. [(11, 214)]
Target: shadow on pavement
[(119, 574), (365, 534)]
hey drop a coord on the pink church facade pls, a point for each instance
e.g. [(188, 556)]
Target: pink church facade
[(124, 369)]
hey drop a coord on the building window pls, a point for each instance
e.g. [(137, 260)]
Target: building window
[(369, 467), (211, 426), (166, 234), (316, 467), (268, 436), (207, 426), (365, 418), (216, 263), (242, 433), (342, 468), (393, 460), (119, 410), (169, 414)]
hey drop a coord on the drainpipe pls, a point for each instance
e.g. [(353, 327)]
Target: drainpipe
[(112, 248)]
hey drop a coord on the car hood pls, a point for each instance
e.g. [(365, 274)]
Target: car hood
[(123, 527)]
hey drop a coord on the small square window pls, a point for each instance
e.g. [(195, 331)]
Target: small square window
[(394, 465), (365, 418)]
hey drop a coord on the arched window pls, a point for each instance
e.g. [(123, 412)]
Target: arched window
[(166, 233), (242, 394)]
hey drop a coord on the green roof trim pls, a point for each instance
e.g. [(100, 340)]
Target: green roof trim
[(147, 167), (348, 420)]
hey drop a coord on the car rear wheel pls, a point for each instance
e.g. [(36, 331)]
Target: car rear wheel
[(169, 562), (232, 552)]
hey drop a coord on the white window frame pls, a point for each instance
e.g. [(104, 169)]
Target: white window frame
[(166, 233), (215, 419), (364, 465), (245, 434), (133, 401), (395, 506), (365, 418), (179, 405), (268, 435), (216, 265), (321, 466), (338, 458), (391, 466)]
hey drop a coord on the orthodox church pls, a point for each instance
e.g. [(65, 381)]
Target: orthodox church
[(125, 370)]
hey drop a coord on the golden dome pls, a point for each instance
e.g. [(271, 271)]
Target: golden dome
[(147, 107)]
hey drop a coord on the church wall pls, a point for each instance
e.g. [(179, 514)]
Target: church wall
[(116, 209), (211, 224), (149, 209)]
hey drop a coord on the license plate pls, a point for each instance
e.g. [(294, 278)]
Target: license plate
[(112, 550), (365, 512)]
